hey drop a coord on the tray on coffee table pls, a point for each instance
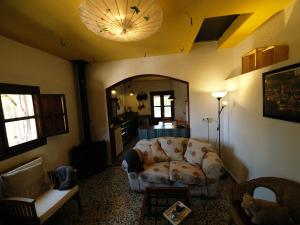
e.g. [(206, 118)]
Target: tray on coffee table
[(158, 199)]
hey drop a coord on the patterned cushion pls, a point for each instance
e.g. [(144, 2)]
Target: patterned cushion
[(156, 173), (173, 147), (158, 153), (212, 166), (184, 144), (195, 151), (186, 173), (145, 148)]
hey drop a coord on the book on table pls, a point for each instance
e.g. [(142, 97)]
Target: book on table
[(177, 213)]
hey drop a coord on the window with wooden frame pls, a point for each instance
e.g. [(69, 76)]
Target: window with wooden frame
[(54, 114), (20, 121), (162, 108)]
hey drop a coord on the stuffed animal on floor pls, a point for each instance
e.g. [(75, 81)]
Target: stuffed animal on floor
[(265, 212), (248, 204)]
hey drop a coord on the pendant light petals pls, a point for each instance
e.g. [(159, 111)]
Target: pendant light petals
[(121, 20)]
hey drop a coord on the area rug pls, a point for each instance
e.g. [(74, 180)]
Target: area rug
[(107, 200)]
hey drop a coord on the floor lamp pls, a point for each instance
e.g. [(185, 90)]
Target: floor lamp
[(219, 95)]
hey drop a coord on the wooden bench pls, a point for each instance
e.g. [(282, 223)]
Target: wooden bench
[(20, 210)]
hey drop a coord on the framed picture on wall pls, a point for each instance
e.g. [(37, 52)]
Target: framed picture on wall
[(281, 93)]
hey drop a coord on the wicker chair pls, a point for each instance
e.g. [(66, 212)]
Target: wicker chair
[(287, 193)]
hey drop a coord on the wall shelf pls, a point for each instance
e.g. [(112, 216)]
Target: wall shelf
[(264, 56)]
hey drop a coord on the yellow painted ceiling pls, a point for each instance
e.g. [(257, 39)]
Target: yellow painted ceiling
[(44, 23)]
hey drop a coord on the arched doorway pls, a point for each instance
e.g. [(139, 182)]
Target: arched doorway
[(144, 100)]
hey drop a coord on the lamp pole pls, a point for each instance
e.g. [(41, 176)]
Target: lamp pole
[(219, 123), (219, 95)]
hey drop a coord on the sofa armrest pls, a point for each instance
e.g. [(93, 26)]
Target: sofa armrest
[(212, 166), (18, 206), (133, 161)]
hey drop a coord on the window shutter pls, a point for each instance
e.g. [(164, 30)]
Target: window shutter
[(2, 143), (54, 114)]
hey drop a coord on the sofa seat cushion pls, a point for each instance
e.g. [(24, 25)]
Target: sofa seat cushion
[(186, 173), (156, 173), (52, 200)]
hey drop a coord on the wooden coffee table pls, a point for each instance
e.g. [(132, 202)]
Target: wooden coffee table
[(158, 199)]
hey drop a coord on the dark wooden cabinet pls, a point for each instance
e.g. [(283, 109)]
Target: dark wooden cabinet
[(128, 123), (89, 158)]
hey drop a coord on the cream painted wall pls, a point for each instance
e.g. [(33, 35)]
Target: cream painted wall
[(255, 146), (20, 64), (259, 146), (196, 68), (181, 104)]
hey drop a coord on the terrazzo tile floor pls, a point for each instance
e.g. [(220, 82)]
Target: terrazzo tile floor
[(107, 200)]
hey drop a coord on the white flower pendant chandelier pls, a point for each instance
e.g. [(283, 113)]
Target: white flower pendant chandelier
[(121, 20)]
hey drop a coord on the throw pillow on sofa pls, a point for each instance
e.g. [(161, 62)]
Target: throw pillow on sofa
[(158, 153), (144, 147), (184, 144), (151, 151), (195, 151), (173, 147)]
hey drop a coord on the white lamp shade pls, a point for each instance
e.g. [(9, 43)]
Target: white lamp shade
[(121, 20), (219, 94)]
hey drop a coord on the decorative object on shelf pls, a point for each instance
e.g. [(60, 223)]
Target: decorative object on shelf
[(121, 20), (141, 97), (264, 56), (281, 93), (219, 95)]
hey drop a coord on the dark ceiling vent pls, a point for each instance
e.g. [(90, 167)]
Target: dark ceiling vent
[(213, 28)]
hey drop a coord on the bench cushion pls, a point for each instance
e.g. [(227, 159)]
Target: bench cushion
[(52, 200)]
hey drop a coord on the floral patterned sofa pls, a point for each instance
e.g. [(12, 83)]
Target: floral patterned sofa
[(176, 162)]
